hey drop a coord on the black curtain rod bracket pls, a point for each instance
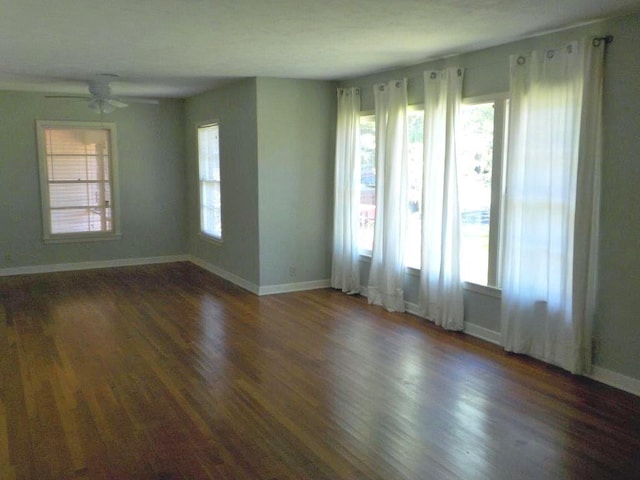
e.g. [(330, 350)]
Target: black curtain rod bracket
[(607, 39)]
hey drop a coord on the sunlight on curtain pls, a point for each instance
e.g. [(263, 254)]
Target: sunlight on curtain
[(440, 295), (345, 270), (551, 204), (386, 276)]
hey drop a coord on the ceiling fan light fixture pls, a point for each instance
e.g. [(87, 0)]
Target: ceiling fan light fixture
[(101, 106)]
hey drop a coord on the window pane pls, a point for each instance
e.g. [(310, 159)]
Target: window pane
[(78, 195), (209, 153), (211, 202), (475, 155), (209, 172), (80, 220), (414, 230), (77, 166), (368, 185), (76, 141), (367, 182)]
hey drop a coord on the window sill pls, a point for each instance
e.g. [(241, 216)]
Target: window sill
[(209, 239), (485, 290), (365, 257), (81, 238)]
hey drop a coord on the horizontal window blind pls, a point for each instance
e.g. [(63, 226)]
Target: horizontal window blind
[(78, 179)]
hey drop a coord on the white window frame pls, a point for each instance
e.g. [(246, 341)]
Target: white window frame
[(417, 107), (366, 114), (114, 233), (210, 236), (500, 122)]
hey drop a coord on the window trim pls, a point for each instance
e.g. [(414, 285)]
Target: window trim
[(500, 101), (500, 118), (48, 236), (215, 240), (366, 253)]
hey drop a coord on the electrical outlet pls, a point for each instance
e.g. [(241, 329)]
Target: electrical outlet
[(8, 258), (292, 271)]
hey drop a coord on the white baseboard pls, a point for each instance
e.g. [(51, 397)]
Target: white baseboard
[(614, 379), (599, 374), (602, 375), (413, 309), (469, 328), (482, 333), (294, 287), (257, 289), (65, 267), (231, 277)]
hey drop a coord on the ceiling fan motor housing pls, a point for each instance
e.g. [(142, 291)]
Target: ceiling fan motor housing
[(100, 88)]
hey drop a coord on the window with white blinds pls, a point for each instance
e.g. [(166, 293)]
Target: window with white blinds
[(77, 163), (209, 170)]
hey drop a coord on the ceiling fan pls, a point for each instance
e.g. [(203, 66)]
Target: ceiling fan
[(101, 99)]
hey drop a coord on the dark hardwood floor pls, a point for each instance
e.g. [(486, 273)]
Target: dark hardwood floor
[(167, 372)]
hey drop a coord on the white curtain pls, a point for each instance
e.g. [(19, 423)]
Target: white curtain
[(386, 276), (552, 204), (440, 295), (345, 269)]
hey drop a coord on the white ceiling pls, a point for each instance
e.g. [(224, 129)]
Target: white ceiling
[(176, 48)]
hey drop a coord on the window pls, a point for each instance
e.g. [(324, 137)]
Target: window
[(367, 183), (414, 225), (480, 152), (209, 170), (78, 163)]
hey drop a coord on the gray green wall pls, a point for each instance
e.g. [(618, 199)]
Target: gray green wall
[(152, 182), (277, 141), (234, 107), (617, 327), (277, 146), (296, 138)]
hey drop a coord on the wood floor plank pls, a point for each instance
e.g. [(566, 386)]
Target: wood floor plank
[(166, 372)]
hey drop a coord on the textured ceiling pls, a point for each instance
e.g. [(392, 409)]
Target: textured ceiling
[(176, 48)]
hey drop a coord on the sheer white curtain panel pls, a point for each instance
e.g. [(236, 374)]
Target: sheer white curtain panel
[(551, 205), (440, 294), (345, 269), (386, 277)]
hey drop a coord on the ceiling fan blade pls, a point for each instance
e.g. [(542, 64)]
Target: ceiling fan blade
[(85, 97), (147, 101), (116, 103), (101, 100)]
